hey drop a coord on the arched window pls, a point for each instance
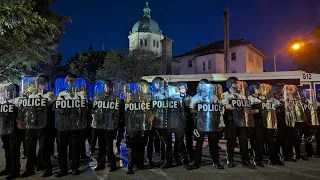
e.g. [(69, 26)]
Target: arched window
[(154, 43), (157, 43), (190, 63), (145, 42), (141, 42)]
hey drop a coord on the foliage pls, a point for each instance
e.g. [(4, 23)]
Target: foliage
[(307, 58), (29, 35), (119, 67), (86, 64)]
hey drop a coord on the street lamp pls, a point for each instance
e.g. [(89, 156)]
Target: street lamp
[(295, 46)]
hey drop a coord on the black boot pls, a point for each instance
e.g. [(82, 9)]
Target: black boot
[(61, 174), (130, 170), (99, 167), (47, 173), (259, 163), (166, 165), (231, 164), (5, 172), (76, 172), (249, 165), (27, 173), (13, 176), (186, 164), (218, 165)]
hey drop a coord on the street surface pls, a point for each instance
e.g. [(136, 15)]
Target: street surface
[(292, 171)]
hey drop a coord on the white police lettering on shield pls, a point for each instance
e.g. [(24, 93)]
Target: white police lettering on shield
[(6, 108), (165, 104), (106, 105), (32, 102), (210, 107), (268, 106), (137, 106), (240, 103), (71, 103)]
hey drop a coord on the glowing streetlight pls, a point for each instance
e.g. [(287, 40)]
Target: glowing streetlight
[(295, 46)]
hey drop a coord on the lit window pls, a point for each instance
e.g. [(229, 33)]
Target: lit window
[(157, 43), (154, 43), (190, 63), (145, 42), (233, 57), (209, 65), (141, 42), (203, 66)]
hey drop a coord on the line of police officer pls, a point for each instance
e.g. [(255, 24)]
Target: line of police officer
[(259, 116)]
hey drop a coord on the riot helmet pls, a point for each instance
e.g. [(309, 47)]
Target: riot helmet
[(71, 80), (231, 82), (183, 88), (107, 86), (11, 91), (143, 86), (158, 84), (265, 90), (253, 90)]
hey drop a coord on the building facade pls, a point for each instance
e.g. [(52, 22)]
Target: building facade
[(244, 58), (146, 34)]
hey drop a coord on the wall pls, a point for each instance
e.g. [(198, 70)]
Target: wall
[(254, 61), (242, 64), (134, 41)]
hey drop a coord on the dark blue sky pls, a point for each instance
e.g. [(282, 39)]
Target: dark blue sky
[(269, 24)]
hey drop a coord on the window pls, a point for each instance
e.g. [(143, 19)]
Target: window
[(157, 43), (145, 42), (190, 63), (250, 56), (209, 65), (233, 57), (141, 42), (203, 66), (233, 71), (154, 43)]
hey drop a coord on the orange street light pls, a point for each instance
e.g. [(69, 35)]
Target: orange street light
[(295, 46)]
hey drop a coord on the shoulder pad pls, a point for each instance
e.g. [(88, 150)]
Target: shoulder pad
[(222, 96)]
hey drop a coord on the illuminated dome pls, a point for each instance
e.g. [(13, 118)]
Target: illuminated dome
[(146, 24)]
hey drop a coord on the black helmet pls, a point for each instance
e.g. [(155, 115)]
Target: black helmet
[(42, 79), (253, 89), (230, 81), (107, 85), (71, 77), (158, 80), (183, 85)]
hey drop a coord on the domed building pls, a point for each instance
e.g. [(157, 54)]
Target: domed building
[(146, 34)]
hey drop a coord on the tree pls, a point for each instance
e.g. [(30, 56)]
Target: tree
[(86, 64), (307, 58), (120, 67), (29, 35)]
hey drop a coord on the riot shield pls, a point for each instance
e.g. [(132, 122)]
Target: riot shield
[(242, 115), (166, 105), (137, 100), (293, 107), (209, 110), (35, 97), (268, 106), (71, 105), (7, 115), (106, 105), (310, 107)]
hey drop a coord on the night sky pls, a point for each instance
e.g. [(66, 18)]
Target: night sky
[(269, 24)]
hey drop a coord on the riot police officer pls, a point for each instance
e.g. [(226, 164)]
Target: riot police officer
[(168, 119), (43, 134), (186, 99), (71, 105), (208, 122), (234, 130), (257, 138), (105, 122)]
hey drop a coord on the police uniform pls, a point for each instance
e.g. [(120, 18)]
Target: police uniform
[(44, 135), (258, 131), (233, 132), (212, 136), (179, 132), (69, 137)]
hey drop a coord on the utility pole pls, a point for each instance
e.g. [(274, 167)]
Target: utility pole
[(226, 39)]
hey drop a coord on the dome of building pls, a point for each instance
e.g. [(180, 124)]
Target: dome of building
[(146, 24)]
